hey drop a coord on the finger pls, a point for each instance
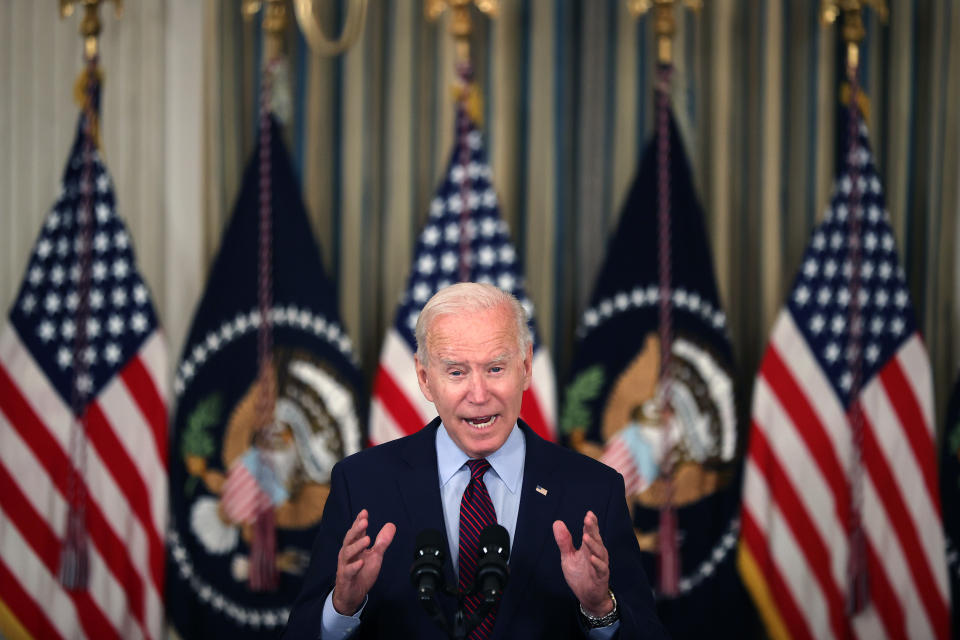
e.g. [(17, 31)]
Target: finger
[(594, 545), (601, 567), (591, 525), (350, 570), (384, 538), (351, 551), (562, 535), (354, 533), (591, 530), (357, 529)]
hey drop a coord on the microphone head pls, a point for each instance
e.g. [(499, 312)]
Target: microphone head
[(492, 569), (495, 539), (427, 570), (428, 539)]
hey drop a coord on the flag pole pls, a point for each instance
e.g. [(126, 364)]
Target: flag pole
[(90, 29), (468, 100), (276, 18), (853, 32), (90, 25), (461, 24), (665, 28)]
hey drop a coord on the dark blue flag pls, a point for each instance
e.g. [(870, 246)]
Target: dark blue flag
[(218, 483), (950, 500), (611, 409)]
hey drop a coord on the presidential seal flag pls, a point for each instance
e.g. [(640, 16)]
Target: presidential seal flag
[(841, 527), (950, 499), (224, 474), (611, 408), (464, 239), (83, 423)]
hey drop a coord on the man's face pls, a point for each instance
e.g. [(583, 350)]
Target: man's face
[(475, 375)]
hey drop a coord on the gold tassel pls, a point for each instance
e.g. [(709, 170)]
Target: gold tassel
[(80, 98), (469, 96), (863, 101)]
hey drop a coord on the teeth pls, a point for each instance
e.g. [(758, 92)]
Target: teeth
[(482, 425)]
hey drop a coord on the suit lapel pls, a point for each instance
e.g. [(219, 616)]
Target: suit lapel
[(420, 487), (534, 523)]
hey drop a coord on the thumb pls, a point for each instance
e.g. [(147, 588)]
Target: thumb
[(385, 537), (562, 535)]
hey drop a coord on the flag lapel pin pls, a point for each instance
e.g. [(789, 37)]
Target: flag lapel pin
[(541, 490)]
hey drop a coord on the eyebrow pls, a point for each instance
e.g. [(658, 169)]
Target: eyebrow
[(499, 359)]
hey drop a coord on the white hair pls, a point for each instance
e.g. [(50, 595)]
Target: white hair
[(470, 297)]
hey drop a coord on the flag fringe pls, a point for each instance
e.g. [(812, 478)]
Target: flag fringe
[(760, 592), (74, 569), (263, 565), (10, 626)]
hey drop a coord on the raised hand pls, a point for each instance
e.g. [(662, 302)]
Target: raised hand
[(358, 564), (587, 569)]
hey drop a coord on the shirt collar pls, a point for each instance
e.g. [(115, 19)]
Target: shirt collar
[(507, 461)]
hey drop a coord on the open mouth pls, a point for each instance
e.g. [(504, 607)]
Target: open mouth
[(481, 422)]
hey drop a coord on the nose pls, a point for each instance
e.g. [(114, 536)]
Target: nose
[(478, 391)]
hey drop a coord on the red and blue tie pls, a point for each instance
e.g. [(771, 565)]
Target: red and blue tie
[(476, 513)]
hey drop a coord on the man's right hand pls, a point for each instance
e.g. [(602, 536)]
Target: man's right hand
[(357, 565)]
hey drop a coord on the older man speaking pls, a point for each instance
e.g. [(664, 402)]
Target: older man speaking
[(476, 465)]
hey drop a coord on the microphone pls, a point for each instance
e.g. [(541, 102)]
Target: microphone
[(492, 570), (427, 570)]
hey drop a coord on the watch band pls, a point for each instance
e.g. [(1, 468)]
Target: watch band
[(595, 622)]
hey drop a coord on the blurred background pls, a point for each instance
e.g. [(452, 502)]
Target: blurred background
[(568, 105)]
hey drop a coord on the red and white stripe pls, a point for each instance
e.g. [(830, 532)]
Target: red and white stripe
[(617, 456), (398, 407), (243, 499), (796, 499), (126, 481)]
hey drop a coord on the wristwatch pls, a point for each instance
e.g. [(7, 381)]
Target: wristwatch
[(595, 622)]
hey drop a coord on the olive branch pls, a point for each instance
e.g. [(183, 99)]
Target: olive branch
[(579, 393), (197, 440)]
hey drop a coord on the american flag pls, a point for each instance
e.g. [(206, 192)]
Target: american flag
[(243, 496), (398, 407), (124, 377), (796, 497)]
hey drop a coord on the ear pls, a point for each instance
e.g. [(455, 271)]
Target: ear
[(422, 378), (528, 367)]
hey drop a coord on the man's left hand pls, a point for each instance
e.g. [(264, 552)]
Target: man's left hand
[(587, 569)]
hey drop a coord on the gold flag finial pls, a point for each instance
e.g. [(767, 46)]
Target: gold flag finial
[(276, 17), (851, 30), (90, 25), (461, 26), (664, 22)]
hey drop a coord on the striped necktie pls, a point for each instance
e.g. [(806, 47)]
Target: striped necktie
[(476, 513)]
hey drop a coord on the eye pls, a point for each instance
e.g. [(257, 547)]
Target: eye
[(497, 369)]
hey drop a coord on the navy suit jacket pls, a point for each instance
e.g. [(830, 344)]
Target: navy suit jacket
[(398, 482)]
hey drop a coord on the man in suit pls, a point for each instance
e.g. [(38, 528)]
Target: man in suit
[(474, 356)]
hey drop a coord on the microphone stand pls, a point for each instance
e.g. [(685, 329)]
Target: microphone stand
[(432, 607), (491, 578), (463, 625)]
